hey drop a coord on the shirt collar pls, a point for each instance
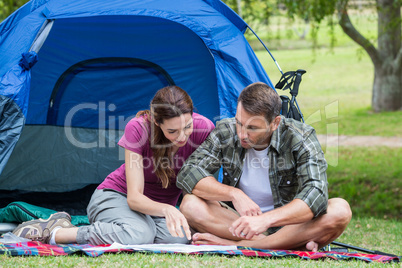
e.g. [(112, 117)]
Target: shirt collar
[(276, 137)]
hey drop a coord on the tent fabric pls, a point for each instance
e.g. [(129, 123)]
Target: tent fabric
[(87, 67), (11, 123), (66, 152)]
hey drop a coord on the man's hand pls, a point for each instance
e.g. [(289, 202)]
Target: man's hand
[(174, 221), (243, 204), (247, 227)]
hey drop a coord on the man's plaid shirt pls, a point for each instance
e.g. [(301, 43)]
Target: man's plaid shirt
[(297, 164)]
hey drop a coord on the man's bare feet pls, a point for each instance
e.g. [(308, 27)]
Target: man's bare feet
[(210, 239), (312, 246)]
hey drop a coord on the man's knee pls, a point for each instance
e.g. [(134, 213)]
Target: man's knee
[(194, 208), (339, 213)]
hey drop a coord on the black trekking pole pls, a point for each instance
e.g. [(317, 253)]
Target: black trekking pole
[(363, 249), (296, 112), (291, 80)]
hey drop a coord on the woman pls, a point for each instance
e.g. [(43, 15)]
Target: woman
[(135, 204)]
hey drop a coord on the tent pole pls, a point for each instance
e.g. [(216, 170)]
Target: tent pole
[(272, 56), (276, 63), (362, 249)]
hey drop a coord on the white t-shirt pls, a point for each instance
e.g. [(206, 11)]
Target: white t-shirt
[(254, 181)]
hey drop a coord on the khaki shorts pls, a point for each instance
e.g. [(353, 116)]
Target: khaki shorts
[(270, 230)]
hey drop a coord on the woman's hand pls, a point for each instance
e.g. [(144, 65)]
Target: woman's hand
[(174, 221)]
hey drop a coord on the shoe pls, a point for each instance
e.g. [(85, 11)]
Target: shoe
[(40, 229)]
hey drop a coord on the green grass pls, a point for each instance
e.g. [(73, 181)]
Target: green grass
[(369, 233), (369, 179)]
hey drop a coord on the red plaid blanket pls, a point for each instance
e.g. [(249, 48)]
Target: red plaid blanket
[(39, 249)]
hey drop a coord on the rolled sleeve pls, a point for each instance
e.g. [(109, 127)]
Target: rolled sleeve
[(311, 173)]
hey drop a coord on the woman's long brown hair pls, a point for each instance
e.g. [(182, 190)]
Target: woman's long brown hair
[(168, 102)]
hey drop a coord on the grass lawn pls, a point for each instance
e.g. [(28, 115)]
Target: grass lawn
[(369, 179)]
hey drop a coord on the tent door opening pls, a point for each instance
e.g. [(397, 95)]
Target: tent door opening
[(100, 79)]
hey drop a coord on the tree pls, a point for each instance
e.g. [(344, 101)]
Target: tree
[(9, 6), (386, 57), (252, 10)]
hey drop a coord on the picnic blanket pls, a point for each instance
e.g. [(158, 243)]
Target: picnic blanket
[(33, 248)]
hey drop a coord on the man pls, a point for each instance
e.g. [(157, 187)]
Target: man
[(274, 184)]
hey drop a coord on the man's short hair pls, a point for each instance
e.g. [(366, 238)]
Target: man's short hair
[(260, 99)]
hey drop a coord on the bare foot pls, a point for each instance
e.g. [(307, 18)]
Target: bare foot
[(210, 239), (312, 246)]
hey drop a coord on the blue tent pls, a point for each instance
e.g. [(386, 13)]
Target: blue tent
[(73, 73)]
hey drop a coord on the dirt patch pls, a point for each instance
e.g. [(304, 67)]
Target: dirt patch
[(362, 141)]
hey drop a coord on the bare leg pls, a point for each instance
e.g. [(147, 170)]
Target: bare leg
[(310, 235), (208, 216), (210, 239), (66, 235)]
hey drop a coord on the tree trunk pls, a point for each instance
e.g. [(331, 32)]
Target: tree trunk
[(387, 58), (387, 88), (239, 11)]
